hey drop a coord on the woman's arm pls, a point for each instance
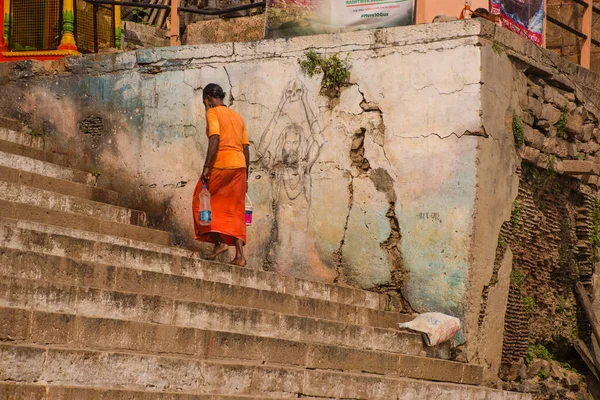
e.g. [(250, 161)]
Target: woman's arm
[(247, 157), (211, 155)]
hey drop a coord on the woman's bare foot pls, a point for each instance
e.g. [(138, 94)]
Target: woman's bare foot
[(218, 249), (241, 262)]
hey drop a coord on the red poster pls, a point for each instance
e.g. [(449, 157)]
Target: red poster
[(524, 17)]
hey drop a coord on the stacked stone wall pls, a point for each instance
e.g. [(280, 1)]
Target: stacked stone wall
[(550, 228)]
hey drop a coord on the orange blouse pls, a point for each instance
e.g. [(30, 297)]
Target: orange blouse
[(231, 128)]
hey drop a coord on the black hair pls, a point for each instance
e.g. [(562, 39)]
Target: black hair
[(481, 12), (213, 90)]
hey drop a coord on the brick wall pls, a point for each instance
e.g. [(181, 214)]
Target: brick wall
[(550, 224)]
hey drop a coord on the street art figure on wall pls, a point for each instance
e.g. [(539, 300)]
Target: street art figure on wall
[(297, 146), (288, 149)]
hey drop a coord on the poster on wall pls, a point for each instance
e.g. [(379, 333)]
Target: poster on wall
[(288, 18), (524, 17)]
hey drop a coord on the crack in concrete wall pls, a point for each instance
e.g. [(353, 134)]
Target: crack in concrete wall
[(339, 254), (383, 183)]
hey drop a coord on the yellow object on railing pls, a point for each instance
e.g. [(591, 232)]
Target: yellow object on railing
[(118, 32), (67, 42)]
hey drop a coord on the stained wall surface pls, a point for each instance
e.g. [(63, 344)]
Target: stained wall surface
[(400, 185)]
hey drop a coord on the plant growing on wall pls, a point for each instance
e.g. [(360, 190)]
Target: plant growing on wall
[(335, 70), (595, 231), (497, 47), (138, 14), (528, 304), (516, 217), (518, 130), (501, 242), (561, 124), (552, 162), (537, 351), (517, 278)]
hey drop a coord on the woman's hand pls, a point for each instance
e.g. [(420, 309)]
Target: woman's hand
[(205, 177)]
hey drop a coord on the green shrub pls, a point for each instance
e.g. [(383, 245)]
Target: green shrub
[(537, 351), (561, 124), (335, 70), (518, 130), (528, 304)]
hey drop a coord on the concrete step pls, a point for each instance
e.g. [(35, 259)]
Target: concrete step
[(26, 264), (105, 370), (10, 123), (9, 146), (21, 194), (58, 185), (12, 391), (14, 131), (109, 250), (28, 212), (51, 170), (97, 303), (25, 327)]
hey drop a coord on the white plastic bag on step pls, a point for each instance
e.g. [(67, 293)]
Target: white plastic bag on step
[(435, 327)]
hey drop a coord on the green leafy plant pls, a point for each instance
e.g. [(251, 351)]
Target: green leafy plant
[(518, 130), (530, 172), (595, 229), (568, 367), (537, 351), (335, 70), (498, 49), (33, 133), (517, 278), (138, 14), (552, 162), (516, 217), (562, 305), (543, 374), (528, 304), (561, 124), (96, 171), (501, 242)]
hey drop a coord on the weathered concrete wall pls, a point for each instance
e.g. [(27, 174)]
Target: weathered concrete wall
[(388, 193), (404, 181), (242, 29), (497, 186)]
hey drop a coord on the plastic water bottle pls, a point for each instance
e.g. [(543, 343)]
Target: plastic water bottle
[(205, 210)]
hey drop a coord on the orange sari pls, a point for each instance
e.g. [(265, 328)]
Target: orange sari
[(227, 184), (227, 188)]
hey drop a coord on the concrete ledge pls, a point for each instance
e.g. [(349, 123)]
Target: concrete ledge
[(58, 185), (63, 271), (28, 212), (50, 170), (98, 303), (9, 146), (30, 196), (90, 247), (25, 327), (87, 370)]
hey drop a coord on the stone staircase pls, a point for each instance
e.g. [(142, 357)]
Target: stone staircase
[(96, 305)]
